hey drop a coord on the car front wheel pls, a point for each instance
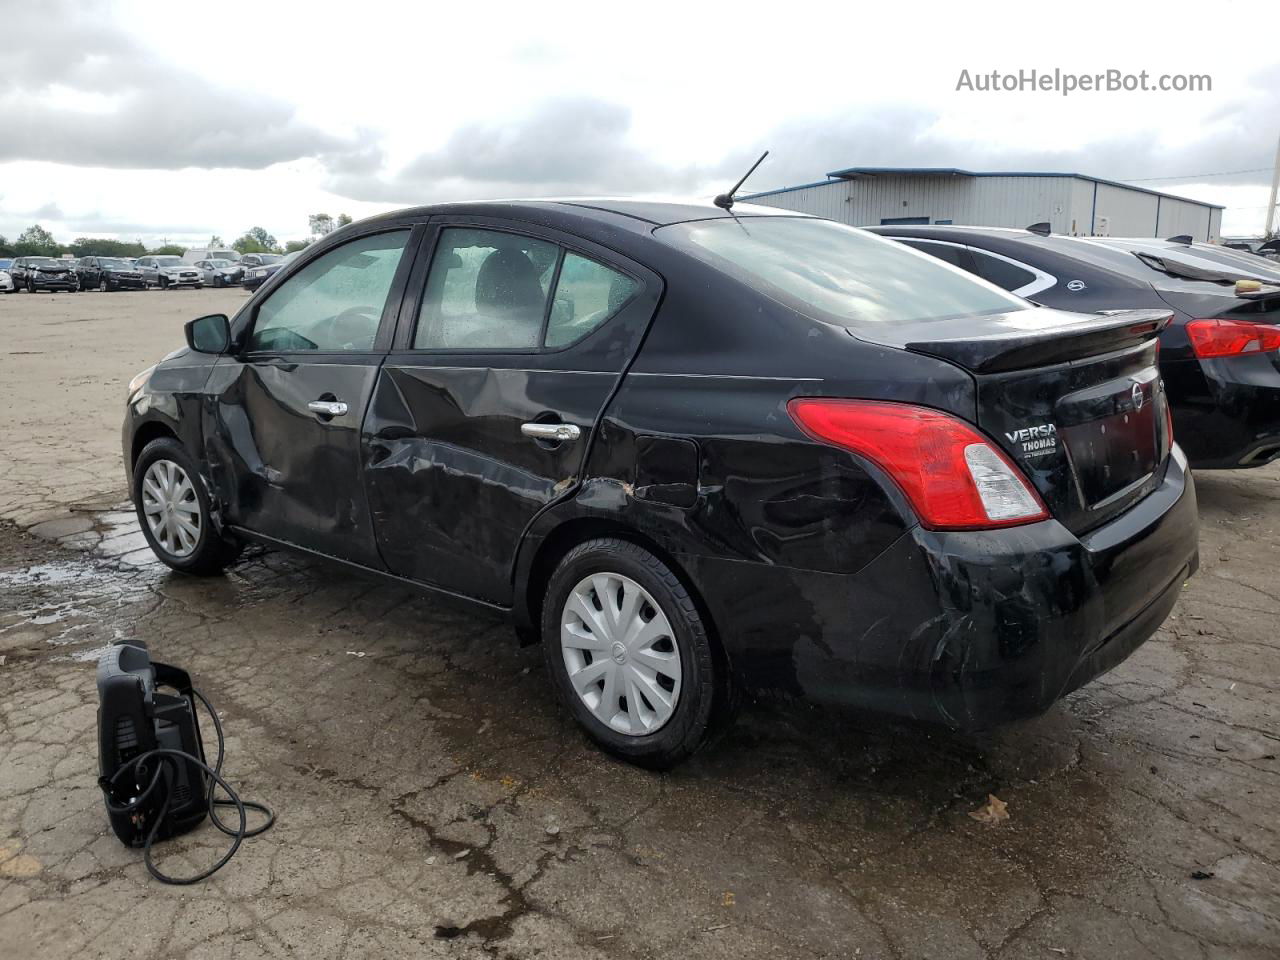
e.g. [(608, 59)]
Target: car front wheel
[(102, 285), (174, 511), (629, 653)]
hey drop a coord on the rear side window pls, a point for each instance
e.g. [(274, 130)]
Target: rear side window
[(949, 253), (1001, 272), (838, 273), (587, 294), (334, 304), (486, 290), (492, 290)]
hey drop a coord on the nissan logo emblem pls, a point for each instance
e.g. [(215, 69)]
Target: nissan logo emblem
[(1136, 394)]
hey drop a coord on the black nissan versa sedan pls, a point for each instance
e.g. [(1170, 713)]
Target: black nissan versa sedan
[(1219, 357), (691, 452)]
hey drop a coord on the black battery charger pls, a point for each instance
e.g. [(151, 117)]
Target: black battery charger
[(155, 779)]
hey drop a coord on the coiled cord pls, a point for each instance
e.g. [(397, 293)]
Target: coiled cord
[(168, 761)]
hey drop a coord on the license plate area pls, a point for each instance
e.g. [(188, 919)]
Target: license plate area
[(1110, 432)]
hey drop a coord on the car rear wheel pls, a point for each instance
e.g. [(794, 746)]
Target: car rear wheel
[(174, 511), (629, 653)]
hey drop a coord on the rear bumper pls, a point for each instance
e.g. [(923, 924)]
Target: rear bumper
[(967, 629)]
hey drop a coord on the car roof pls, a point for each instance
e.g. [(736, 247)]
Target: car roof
[(641, 214)]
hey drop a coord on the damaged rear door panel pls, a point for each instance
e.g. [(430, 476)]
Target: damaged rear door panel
[(459, 444)]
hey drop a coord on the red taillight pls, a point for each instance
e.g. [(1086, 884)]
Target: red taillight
[(954, 478), (1231, 338)]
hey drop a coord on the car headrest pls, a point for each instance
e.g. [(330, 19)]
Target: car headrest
[(508, 280)]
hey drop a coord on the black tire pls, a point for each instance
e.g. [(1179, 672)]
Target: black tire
[(31, 286), (212, 552), (702, 687), (164, 282), (103, 287)]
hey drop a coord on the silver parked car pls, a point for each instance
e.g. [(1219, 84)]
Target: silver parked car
[(169, 271), (219, 272)]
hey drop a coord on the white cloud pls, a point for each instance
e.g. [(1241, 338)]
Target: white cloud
[(215, 120)]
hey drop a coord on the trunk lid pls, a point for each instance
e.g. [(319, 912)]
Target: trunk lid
[(1075, 400)]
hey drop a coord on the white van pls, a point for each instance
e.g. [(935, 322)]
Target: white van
[(209, 253)]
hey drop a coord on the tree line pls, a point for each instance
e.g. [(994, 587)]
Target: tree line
[(36, 241)]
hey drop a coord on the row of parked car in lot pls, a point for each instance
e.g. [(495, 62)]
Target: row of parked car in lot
[(34, 274)]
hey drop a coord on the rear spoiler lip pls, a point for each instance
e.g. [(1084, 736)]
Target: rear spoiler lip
[(1015, 350)]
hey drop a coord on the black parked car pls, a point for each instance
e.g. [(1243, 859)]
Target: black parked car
[(258, 267), (1220, 357), (692, 454), (44, 273), (109, 273)]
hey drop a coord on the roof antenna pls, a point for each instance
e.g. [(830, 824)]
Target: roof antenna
[(1041, 228), (725, 200), (1183, 238)]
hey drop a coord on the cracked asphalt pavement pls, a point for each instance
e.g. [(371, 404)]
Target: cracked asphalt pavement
[(434, 801)]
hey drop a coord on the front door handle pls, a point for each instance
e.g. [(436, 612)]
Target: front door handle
[(551, 431), (328, 408)]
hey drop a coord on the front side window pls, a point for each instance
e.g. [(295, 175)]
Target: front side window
[(486, 290), (838, 273), (335, 303)]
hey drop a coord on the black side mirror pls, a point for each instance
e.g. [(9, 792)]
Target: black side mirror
[(211, 334)]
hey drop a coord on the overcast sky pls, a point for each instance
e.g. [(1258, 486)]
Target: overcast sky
[(177, 120)]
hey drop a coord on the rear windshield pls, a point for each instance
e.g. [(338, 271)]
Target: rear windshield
[(838, 273)]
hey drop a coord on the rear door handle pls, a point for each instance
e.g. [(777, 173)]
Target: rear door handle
[(328, 408), (551, 431)]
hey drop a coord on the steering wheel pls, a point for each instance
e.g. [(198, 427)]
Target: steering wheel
[(331, 330)]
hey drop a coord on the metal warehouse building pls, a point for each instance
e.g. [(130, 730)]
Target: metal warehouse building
[(1072, 203)]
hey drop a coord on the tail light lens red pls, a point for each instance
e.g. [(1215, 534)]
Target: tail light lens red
[(1221, 337), (953, 476)]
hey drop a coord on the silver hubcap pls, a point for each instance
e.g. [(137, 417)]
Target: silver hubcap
[(620, 653), (171, 507)]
